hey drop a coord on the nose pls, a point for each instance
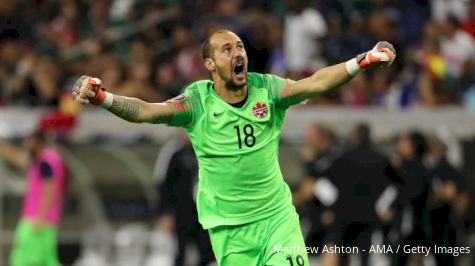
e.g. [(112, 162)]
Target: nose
[(238, 53), (238, 56)]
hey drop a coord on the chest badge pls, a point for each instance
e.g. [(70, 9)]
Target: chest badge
[(259, 110)]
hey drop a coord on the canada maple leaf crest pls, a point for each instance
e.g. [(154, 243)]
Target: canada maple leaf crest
[(260, 110)]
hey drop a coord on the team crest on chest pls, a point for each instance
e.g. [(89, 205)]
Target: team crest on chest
[(259, 110)]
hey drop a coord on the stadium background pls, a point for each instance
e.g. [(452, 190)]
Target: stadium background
[(151, 50)]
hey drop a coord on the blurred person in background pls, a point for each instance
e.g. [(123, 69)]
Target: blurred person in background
[(177, 174), (313, 206), (361, 175), (304, 27), (449, 200), (429, 69), (458, 49), (413, 193), (36, 233), (442, 9)]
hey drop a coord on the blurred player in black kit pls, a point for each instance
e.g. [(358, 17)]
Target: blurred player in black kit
[(177, 209), (314, 207), (361, 175), (449, 200), (413, 192)]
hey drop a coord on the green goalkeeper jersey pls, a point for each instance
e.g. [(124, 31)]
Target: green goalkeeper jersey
[(237, 149)]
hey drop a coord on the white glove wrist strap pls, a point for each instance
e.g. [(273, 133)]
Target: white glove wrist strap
[(106, 104), (352, 67)]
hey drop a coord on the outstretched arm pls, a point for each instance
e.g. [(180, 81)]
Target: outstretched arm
[(331, 77), (89, 90), (14, 155)]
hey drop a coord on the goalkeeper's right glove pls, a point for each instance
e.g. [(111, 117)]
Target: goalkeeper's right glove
[(90, 90)]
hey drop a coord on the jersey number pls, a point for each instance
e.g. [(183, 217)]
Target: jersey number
[(249, 138), (300, 261)]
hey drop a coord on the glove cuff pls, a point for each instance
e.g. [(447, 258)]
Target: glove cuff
[(103, 98), (352, 67), (109, 97)]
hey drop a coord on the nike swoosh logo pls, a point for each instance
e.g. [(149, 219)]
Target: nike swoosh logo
[(218, 114)]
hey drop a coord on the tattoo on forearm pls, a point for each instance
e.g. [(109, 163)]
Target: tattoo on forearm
[(126, 108)]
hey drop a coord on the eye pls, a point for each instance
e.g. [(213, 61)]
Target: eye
[(227, 49)]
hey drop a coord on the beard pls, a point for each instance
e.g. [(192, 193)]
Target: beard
[(229, 81)]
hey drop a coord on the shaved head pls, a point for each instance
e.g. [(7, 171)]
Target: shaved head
[(206, 49)]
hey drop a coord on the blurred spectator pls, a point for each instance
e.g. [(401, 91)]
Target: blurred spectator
[(434, 68), (303, 29), (36, 233), (457, 48), (318, 159), (413, 193), (177, 174), (449, 200), (442, 9), (361, 174)]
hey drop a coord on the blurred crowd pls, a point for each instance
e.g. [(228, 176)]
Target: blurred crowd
[(151, 48), (410, 192)]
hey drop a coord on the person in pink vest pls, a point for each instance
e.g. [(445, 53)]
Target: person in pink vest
[(36, 232)]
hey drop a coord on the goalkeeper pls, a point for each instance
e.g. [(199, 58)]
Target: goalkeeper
[(234, 122)]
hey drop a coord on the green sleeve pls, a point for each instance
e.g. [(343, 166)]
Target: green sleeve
[(279, 91), (185, 106)]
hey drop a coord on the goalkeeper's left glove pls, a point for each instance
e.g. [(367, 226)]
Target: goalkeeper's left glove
[(382, 54)]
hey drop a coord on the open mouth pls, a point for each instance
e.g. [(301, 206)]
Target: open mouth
[(239, 68)]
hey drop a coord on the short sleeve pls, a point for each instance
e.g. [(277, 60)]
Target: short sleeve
[(46, 170), (184, 106), (279, 89)]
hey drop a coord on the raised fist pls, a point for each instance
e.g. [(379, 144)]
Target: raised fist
[(88, 90), (382, 54)]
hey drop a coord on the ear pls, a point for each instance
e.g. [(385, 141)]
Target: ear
[(209, 64)]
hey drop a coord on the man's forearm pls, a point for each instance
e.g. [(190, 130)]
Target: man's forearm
[(89, 90), (138, 111), (127, 108), (321, 81), (330, 77), (13, 155)]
